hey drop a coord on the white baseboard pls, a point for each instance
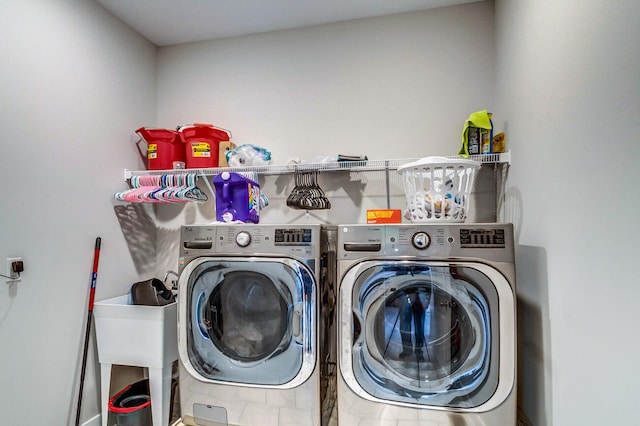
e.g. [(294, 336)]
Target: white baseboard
[(94, 421)]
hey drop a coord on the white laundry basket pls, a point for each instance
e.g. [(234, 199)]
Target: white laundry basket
[(438, 189)]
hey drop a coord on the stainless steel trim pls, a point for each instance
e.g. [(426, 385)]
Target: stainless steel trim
[(308, 315), (506, 311)]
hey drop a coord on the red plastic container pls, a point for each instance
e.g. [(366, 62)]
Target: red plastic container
[(202, 144), (163, 148)]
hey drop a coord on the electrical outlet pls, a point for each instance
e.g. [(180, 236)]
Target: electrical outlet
[(15, 276)]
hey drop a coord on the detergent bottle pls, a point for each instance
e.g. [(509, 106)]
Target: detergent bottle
[(486, 137), (237, 198)]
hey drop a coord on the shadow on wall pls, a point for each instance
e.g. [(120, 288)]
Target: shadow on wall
[(140, 233), (483, 206), (534, 342), (510, 210), (10, 289), (168, 250), (153, 248), (174, 215)]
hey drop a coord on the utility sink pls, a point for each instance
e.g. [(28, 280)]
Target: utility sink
[(134, 334), (142, 336)]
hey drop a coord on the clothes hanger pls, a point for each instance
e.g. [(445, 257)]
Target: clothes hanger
[(169, 188)]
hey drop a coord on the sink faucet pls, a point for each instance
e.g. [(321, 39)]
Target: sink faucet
[(174, 283)]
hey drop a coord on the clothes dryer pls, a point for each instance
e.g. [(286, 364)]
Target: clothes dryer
[(249, 301), (427, 330)]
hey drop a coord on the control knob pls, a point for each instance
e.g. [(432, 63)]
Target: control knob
[(243, 239), (420, 240)]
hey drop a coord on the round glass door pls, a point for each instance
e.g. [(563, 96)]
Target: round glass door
[(246, 316), (425, 334), (248, 322)]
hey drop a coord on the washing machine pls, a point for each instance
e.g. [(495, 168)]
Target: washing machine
[(249, 302), (427, 331)]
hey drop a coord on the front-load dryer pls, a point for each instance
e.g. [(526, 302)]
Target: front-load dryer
[(427, 330), (248, 307)]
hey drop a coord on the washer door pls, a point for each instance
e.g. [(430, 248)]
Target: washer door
[(247, 321), (427, 334)]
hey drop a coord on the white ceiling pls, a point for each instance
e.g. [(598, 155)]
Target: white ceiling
[(167, 22)]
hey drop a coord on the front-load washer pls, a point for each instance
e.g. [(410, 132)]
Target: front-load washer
[(249, 300), (427, 330)]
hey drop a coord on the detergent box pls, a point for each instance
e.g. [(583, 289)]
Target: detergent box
[(237, 198), (223, 147)]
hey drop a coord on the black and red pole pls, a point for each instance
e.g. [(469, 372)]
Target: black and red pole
[(94, 278)]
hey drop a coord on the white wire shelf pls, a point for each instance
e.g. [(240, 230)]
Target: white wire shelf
[(358, 166)]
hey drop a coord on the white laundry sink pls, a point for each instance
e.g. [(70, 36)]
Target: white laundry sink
[(142, 336), (138, 335)]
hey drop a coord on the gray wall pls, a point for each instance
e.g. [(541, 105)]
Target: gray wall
[(74, 82), (568, 95), (392, 87)]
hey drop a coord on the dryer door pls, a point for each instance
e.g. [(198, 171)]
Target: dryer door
[(247, 321), (427, 333)]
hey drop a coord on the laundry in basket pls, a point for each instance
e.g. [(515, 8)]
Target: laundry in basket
[(438, 189)]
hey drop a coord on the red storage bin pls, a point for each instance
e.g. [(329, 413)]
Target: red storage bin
[(202, 144), (163, 148)]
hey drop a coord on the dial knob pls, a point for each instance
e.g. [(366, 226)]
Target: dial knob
[(243, 239), (421, 240)]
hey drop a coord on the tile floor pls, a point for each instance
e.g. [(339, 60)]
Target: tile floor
[(333, 420)]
